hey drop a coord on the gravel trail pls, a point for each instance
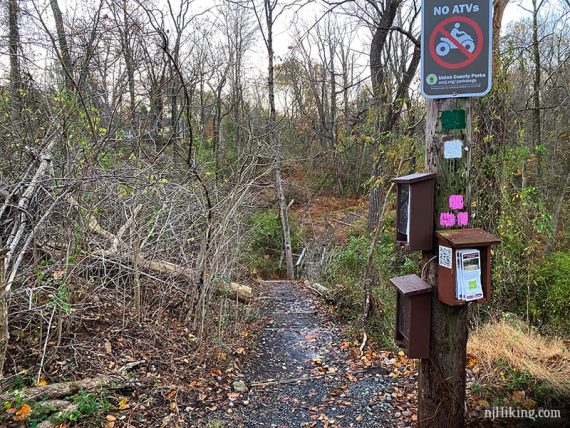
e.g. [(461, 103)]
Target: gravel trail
[(303, 374)]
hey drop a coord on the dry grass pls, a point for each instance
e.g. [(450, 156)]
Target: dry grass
[(546, 359)]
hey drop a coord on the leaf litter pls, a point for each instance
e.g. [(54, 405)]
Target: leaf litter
[(304, 373)]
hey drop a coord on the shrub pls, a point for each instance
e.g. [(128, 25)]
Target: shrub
[(345, 271), (265, 247), (549, 303), (523, 227)]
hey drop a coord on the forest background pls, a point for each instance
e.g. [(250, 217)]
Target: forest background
[(153, 155)]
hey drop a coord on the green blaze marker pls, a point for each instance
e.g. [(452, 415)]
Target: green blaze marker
[(453, 119)]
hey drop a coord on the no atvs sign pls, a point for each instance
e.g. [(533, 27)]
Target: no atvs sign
[(456, 48)]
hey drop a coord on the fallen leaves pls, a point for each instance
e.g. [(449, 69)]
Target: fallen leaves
[(23, 412), (123, 404), (351, 377), (110, 421)]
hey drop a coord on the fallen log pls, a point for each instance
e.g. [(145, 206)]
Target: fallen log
[(65, 389), (233, 290), (239, 292), (317, 288), (64, 409)]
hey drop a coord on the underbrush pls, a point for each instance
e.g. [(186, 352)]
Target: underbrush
[(165, 362), (130, 271), (85, 409), (264, 252), (344, 273), (551, 294), (511, 364)]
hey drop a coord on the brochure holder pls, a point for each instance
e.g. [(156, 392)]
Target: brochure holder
[(413, 311), (414, 213), (449, 242)]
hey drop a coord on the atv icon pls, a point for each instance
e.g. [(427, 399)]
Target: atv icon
[(445, 44)]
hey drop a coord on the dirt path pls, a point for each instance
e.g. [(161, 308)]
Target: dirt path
[(303, 374)]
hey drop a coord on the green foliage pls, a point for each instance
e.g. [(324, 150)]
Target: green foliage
[(347, 267), (520, 380), (90, 405), (61, 299), (523, 228), (477, 388), (551, 294), (265, 246), (89, 410)]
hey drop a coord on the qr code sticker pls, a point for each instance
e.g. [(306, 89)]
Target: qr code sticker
[(445, 257)]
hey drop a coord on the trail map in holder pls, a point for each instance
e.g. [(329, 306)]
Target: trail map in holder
[(456, 48)]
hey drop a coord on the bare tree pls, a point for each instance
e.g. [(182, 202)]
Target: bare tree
[(266, 17), (64, 54), (14, 51), (388, 107)]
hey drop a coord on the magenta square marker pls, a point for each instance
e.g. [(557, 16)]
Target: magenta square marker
[(447, 219), (456, 202), (462, 218)]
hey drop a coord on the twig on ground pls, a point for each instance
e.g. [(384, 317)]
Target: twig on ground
[(363, 344)]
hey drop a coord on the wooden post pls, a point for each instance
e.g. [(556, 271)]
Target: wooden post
[(441, 395)]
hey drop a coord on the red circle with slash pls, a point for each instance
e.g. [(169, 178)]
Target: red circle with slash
[(440, 28)]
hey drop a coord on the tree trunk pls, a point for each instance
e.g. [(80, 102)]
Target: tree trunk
[(283, 214), (4, 334), (13, 48), (217, 124), (441, 395), (64, 55), (556, 214), (334, 124), (202, 109), (378, 76), (379, 38), (275, 141), (491, 134), (174, 88), (536, 119), (498, 10), (89, 51), (156, 112), (376, 197), (174, 91), (129, 62)]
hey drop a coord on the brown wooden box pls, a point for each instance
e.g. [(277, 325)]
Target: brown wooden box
[(413, 311), (464, 238), (414, 212)]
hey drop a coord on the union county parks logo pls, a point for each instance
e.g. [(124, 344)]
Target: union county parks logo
[(431, 79)]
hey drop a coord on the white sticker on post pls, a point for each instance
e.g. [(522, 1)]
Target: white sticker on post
[(453, 149), (445, 256)]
